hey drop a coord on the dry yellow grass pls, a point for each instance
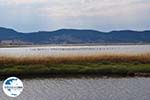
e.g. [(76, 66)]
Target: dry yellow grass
[(142, 58)]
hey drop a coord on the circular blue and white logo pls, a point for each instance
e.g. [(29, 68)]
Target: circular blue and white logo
[(13, 86)]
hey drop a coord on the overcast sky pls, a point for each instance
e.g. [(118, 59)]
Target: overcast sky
[(103, 15)]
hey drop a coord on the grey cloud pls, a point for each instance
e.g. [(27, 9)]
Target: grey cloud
[(106, 15)]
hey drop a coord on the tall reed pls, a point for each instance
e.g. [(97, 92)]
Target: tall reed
[(141, 58)]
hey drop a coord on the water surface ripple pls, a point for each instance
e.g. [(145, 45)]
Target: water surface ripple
[(84, 89)]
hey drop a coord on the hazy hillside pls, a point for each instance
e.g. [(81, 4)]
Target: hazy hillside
[(73, 36)]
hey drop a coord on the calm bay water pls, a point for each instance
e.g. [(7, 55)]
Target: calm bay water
[(74, 50), (84, 89)]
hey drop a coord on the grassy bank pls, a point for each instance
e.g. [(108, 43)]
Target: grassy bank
[(98, 65)]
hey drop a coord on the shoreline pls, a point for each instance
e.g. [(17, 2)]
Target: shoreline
[(77, 76), (86, 44)]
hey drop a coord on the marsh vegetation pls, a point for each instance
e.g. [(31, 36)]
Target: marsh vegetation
[(72, 66)]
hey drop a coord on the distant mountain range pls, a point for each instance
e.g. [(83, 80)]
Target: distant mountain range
[(73, 36)]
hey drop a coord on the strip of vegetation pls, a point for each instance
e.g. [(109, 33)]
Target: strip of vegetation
[(83, 69), (75, 66)]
